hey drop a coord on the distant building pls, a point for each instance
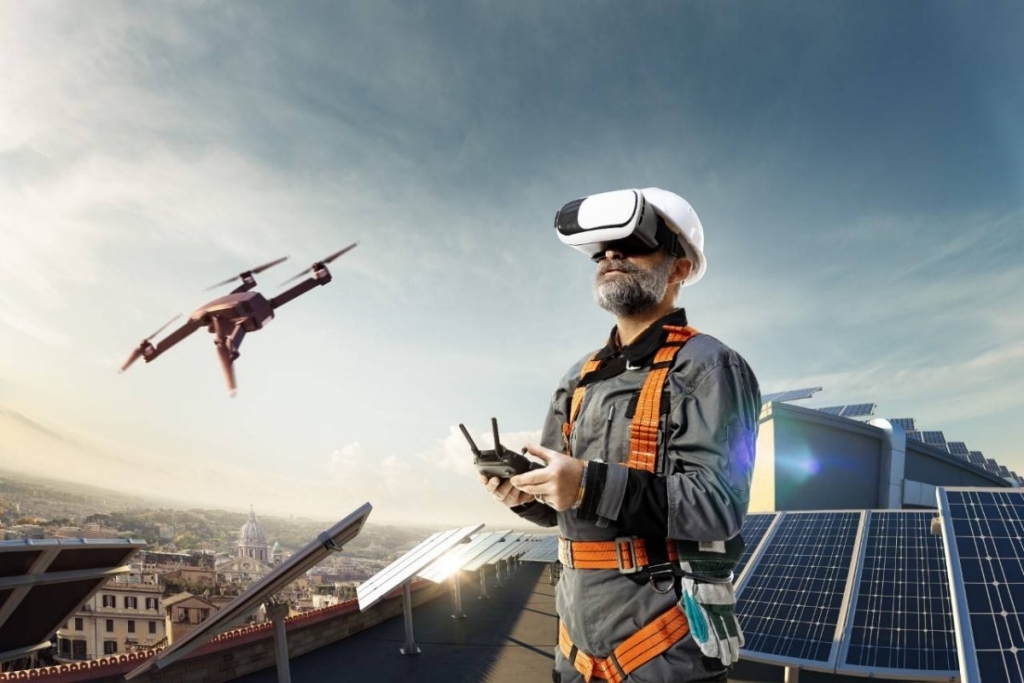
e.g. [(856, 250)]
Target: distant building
[(125, 615), (184, 612), (252, 559), (810, 460)]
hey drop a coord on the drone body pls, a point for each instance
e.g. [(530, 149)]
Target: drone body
[(230, 317)]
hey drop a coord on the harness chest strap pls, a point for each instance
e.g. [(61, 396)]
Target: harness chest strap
[(641, 647)]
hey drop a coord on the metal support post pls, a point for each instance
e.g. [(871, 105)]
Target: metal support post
[(278, 612), (792, 675), (483, 583), (458, 597), (410, 644)]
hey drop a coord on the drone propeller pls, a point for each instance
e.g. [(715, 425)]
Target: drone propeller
[(243, 275), (138, 350), (321, 263)]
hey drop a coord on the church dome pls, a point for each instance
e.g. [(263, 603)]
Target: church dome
[(251, 533)]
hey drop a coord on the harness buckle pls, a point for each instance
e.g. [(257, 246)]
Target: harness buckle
[(619, 558), (657, 573)]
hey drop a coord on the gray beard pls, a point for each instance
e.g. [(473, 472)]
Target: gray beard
[(634, 291)]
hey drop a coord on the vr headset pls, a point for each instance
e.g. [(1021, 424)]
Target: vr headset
[(622, 220)]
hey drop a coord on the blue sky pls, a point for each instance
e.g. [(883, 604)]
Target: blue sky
[(858, 168)]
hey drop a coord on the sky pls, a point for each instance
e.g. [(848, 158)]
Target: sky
[(858, 169)]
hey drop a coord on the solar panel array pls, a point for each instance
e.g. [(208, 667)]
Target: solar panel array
[(984, 535), (901, 619), (793, 597), (408, 565), (457, 558)]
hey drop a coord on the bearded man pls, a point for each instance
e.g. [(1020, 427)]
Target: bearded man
[(648, 448)]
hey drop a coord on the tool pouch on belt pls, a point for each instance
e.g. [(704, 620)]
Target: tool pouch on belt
[(708, 598)]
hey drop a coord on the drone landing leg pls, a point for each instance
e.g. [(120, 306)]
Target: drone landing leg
[(234, 342)]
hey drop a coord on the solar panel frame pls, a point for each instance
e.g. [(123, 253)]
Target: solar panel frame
[(956, 504), (921, 550), (373, 590), (831, 634), (59, 575), (756, 529)]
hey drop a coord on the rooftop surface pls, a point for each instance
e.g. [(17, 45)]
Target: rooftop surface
[(507, 638)]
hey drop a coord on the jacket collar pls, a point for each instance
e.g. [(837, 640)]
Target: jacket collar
[(644, 346)]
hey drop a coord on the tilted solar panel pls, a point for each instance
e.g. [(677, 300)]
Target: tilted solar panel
[(792, 599), (977, 457), (983, 531), (791, 395), (907, 423), (958, 448), (933, 438), (901, 617), (831, 410), (544, 550), (755, 526), (858, 410), (916, 436)]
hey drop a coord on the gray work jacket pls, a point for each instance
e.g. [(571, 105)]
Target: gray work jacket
[(701, 492)]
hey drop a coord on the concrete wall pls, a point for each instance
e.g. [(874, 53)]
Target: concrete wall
[(817, 461)]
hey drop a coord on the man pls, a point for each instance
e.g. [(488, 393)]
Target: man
[(648, 448)]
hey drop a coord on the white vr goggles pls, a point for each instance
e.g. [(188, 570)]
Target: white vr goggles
[(623, 220)]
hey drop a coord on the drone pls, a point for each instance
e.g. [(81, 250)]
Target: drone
[(230, 317)]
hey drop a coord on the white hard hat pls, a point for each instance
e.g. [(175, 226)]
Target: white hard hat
[(682, 220)]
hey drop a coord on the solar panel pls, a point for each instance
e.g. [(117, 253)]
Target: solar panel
[(242, 606), (983, 530), (1003, 471), (544, 550), (43, 582), (907, 423), (487, 557), (755, 526), (901, 617), (791, 395), (373, 590), (793, 596), (457, 557), (831, 410), (977, 457), (933, 438), (858, 410), (958, 448), (916, 436)]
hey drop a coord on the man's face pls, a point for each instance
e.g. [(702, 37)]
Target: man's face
[(629, 285)]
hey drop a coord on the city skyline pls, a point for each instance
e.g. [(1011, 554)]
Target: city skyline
[(859, 172)]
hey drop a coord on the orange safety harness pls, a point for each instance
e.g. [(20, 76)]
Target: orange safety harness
[(628, 554)]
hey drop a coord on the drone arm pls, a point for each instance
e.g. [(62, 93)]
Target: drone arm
[(300, 289), (173, 338)]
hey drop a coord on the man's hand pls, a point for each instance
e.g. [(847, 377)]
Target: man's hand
[(503, 491), (556, 483)]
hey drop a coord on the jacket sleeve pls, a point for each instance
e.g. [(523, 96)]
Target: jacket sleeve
[(709, 454)]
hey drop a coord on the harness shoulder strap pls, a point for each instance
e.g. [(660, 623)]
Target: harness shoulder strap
[(643, 440)]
